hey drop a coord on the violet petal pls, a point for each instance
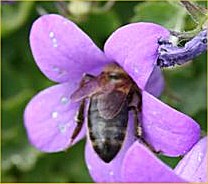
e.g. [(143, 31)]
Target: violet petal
[(155, 83), (108, 172), (62, 51), (49, 118), (141, 165), (193, 167), (134, 47), (166, 129)]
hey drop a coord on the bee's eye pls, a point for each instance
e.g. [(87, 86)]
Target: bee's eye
[(114, 76)]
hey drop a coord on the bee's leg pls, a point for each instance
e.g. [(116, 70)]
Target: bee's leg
[(80, 113), (139, 131), (79, 120), (137, 123), (135, 106)]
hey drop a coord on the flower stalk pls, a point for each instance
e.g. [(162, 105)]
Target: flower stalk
[(197, 13)]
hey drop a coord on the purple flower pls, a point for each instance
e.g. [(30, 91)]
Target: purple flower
[(140, 165), (193, 167), (64, 53)]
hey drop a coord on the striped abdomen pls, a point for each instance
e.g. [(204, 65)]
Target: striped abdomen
[(107, 135)]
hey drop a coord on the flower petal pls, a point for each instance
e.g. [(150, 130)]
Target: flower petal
[(134, 47), (193, 167), (155, 83), (62, 51), (141, 165), (167, 130), (49, 119), (108, 172)]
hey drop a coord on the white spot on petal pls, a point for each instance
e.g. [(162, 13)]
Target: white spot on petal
[(64, 100), (136, 70), (154, 112), (54, 114), (54, 42), (53, 39), (62, 128), (59, 71), (89, 166), (51, 34), (68, 125), (111, 173), (65, 22), (184, 152), (55, 45), (56, 69), (200, 157)]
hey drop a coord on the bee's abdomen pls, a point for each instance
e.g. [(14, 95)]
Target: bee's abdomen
[(107, 136)]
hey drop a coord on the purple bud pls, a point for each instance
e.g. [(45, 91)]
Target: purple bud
[(169, 55), (8, 2)]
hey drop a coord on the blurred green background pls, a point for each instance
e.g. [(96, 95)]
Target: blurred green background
[(185, 85)]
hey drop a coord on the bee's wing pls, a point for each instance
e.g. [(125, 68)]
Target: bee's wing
[(85, 90), (110, 104)]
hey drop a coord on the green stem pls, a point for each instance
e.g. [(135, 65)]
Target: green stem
[(197, 13)]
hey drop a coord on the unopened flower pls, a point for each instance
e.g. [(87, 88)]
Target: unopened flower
[(7, 1), (64, 53), (170, 55)]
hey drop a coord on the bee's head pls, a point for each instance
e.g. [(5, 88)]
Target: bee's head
[(115, 74)]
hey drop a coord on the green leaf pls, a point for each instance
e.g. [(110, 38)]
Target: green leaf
[(124, 10), (170, 16), (171, 161), (23, 163), (60, 167), (201, 117), (19, 69), (186, 87), (16, 150), (197, 13), (14, 16)]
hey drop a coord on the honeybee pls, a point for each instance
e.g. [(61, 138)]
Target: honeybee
[(112, 94)]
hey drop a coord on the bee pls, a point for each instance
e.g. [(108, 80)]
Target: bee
[(112, 94)]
